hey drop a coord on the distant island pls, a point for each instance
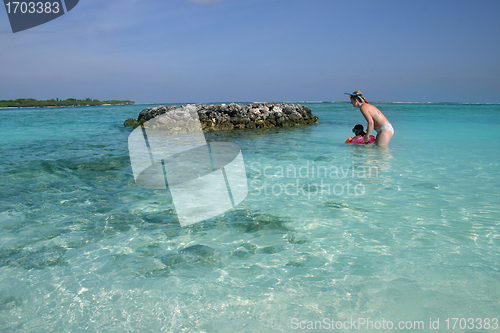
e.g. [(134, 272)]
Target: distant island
[(30, 102)]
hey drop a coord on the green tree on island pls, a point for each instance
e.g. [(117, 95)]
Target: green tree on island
[(30, 102)]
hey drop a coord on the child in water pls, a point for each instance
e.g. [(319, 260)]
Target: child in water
[(359, 135)]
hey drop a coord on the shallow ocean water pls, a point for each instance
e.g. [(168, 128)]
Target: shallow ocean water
[(327, 230)]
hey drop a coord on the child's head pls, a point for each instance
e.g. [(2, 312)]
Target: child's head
[(358, 130)]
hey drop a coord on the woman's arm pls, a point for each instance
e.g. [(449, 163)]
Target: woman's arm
[(369, 120)]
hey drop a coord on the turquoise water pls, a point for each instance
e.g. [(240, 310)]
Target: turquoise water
[(327, 230)]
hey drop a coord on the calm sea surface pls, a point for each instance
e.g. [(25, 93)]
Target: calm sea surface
[(327, 232)]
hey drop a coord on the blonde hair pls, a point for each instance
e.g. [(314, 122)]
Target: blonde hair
[(359, 95)]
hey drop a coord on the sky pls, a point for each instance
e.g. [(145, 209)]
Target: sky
[(205, 51)]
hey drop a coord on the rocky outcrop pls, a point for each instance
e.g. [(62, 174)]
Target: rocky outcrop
[(232, 116)]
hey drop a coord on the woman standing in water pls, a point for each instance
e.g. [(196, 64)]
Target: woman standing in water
[(374, 118)]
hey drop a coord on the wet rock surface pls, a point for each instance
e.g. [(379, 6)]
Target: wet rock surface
[(234, 116)]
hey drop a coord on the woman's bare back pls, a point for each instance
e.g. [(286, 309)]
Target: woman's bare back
[(379, 120)]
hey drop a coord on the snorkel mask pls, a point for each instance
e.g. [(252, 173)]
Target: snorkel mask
[(358, 128), (355, 95)]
